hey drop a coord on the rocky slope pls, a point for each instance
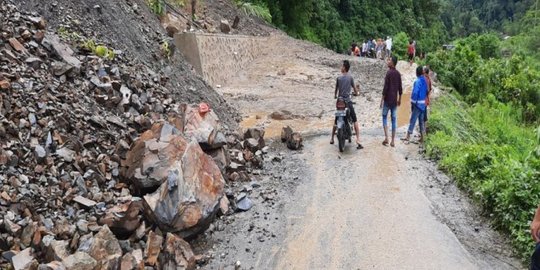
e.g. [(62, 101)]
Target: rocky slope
[(129, 26), (90, 110)]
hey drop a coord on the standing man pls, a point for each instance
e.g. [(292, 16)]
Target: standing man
[(410, 52), (391, 99), (418, 104), (364, 49), (388, 47), (344, 86), (535, 233)]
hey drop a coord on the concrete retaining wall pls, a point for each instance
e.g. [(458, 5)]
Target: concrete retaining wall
[(218, 57)]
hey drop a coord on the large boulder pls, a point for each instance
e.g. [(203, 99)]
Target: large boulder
[(188, 200), (204, 127), (188, 181), (147, 163)]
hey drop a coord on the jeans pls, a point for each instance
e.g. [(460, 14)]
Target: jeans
[(535, 259), (416, 115), (393, 112)]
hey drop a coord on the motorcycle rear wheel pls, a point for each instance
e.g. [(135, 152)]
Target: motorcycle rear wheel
[(341, 139)]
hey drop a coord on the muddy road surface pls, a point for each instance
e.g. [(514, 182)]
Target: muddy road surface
[(377, 208)]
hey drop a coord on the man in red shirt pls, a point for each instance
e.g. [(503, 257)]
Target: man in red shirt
[(391, 98), (410, 51)]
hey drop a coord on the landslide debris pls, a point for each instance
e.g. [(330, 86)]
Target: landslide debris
[(73, 124)]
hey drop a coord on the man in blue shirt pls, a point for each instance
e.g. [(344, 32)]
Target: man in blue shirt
[(418, 104)]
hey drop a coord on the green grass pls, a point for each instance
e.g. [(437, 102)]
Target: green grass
[(491, 156)]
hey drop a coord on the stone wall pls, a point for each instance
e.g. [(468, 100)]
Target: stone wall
[(218, 57)]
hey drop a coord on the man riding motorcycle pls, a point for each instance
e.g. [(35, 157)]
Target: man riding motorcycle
[(344, 85)]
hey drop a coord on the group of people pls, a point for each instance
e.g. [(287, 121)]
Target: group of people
[(420, 100), (391, 99), (373, 48)]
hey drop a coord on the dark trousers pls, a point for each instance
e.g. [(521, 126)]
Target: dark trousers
[(535, 258)]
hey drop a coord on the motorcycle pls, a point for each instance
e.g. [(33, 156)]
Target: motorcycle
[(343, 123)]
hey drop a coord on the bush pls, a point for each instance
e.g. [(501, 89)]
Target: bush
[(474, 68), (255, 9), (401, 43), (493, 158)]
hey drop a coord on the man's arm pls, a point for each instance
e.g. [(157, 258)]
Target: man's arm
[(336, 91), (400, 90), (535, 226), (385, 90), (354, 87)]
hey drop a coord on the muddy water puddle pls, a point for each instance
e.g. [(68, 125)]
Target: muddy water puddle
[(404, 111), (273, 127)]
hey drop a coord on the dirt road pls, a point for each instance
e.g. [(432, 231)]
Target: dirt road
[(367, 210), (378, 208)]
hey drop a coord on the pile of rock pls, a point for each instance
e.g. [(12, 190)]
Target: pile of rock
[(94, 150), (246, 153), (294, 140)]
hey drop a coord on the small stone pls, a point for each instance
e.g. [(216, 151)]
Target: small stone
[(84, 201), (225, 27), (105, 249), (39, 36), (28, 233), (5, 85), (24, 260), (40, 153), (82, 225), (224, 205), (244, 204), (80, 261), (16, 45), (11, 227), (153, 248)]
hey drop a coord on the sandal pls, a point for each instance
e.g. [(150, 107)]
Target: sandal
[(385, 143), (392, 145), (359, 147), (332, 142)]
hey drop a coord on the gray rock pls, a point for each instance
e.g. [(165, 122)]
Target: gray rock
[(225, 27), (80, 261), (40, 154), (24, 260), (244, 204)]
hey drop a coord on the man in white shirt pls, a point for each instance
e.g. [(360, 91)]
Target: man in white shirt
[(364, 49), (388, 47)]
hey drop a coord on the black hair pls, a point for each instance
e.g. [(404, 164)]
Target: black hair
[(394, 60), (346, 65), (419, 71)]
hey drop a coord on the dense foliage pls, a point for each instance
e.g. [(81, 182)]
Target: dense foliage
[(464, 17), (493, 157), (475, 69), (337, 23), (486, 135)]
